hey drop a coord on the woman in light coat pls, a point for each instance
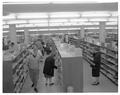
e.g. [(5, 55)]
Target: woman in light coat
[(34, 66)]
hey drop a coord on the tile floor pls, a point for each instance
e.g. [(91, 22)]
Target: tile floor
[(41, 84), (105, 84)]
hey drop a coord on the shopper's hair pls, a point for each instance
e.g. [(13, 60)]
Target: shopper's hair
[(97, 48), (12, 43)]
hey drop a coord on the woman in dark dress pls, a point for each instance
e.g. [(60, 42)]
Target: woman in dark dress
[(96, 66), (49, 67)]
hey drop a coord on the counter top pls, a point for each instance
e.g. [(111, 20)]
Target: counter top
[(67, 50)]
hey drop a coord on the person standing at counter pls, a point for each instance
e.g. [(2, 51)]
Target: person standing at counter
[(33, 61), (96, 66), (49, 67)]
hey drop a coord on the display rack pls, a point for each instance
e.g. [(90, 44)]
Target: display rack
[(109, 58), (15, 72), (20, 71)]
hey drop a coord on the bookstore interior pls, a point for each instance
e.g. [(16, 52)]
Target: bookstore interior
[(73, 32)]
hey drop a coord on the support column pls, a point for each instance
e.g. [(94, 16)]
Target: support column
[(12, 33), (26, 32), (82, 32), (102, 33)]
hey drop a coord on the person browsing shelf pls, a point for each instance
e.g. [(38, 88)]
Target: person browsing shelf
[(33, 65), (96, 66)]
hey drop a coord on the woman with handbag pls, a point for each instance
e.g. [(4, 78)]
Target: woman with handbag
[(49, 67), (34, 66)]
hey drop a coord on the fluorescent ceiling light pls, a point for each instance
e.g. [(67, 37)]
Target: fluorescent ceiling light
[(111, 27), (76, 23), (31, 15), (58, 20), (72, 23), (35, 34), (77, 20), (32, 25), (67, 24), (43, 29), (20, 25), (91, 27), (95, 14), (28, 25), (55, 24), (111, 23), (98, 19), (41, 24), (19, 30), (74, 28), (112, 19), (33, 29), (5, 26), (53, 29), (9, 17), (46, 34), (114, 14), (63, 28), (20, 36), (89, 32), (38, 29), (5, 31), (38, 21), (16, 21), (90, 23), (64, 14)]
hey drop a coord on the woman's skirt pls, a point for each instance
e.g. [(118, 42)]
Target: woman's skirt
[(34, 75), (95, 72), (47, 76)]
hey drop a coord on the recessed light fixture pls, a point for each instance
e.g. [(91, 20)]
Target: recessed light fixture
[(64, 14)]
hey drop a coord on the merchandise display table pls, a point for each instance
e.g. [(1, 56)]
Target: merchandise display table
[(72, 66)]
